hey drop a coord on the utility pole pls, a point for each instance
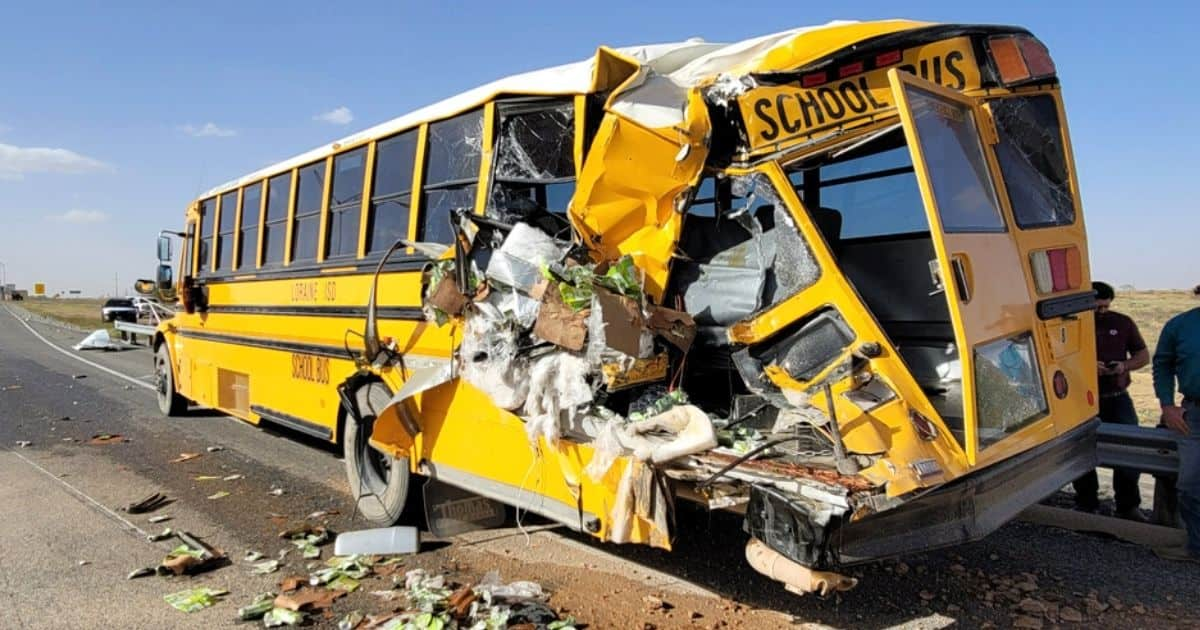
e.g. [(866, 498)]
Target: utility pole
[(116, 285)]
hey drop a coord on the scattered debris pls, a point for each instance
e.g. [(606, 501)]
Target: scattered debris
[(253, 556), (292, 583), (282, 617), (195, 599), (214, 449), (257, 608), (381, 541), (78, 376), (107, 438), (11, 387), (24, 443), (140, 573), (233, 477), (218, 495), (322, 514), (159, 519), (205, 478), (307, 538), (183, 457), (307, 599), (149, 504), (350, 621), (163, 535), (265, 567), (276, 491), (191, 557), (84, 563), (100, 340)]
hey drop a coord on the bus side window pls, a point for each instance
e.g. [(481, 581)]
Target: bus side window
[(208, 208), (228, 210), (345, 203), (247, 254), (307, 225), (451, 174), (279, 191), (534, 168), (391, 191)]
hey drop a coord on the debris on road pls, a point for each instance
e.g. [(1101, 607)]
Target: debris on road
[(319, 514), (163, 535), (24, 443), (11, 387), (380, 541), (140, 573), (253, 556), (233, 477), (276, 491), (195, 599), (78, 376), (149, 504), (307, 599), (84, 563), (205, 478), (307, 538), (292, 583), (159, 519), (265, 567), (107, 438), (183, 457), (218, 495), (257, 608), (350, 621), (191, 557), (282, 617), (214, 449), (100, 340)]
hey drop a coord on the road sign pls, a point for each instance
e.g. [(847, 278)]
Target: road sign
[(39, 288)]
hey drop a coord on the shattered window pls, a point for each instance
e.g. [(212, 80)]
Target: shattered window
[(454, 149), (308, 212), (1008, 388), (247, 255), (435, 212), (345, 203), (208, 209), (1033, 160), (229, 208), (279, 192), (391, 193), (958, 171), (534, 167)]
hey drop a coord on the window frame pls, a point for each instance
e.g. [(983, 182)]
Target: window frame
[(231, 235), (526, 106), (239, 253), (205, 244), (284, 222), (486, 114), (295, 215), (412, 193), (326, 245)]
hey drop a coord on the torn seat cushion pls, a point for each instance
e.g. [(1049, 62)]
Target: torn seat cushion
[(723, 273)]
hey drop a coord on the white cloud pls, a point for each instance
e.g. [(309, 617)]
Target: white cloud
[(80, 217), (15, 162), (339, 116), (208, 129)]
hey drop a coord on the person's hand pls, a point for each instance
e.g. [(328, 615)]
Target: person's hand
[(1102, 368), (1118, 368), (1173, 418)]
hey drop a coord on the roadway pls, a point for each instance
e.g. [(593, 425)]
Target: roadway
[(66, 548)]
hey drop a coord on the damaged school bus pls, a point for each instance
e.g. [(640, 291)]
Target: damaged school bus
[(834, 279)]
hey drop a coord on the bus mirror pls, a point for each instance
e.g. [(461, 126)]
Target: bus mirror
[(164, 249), (145, 287), (164, 278)]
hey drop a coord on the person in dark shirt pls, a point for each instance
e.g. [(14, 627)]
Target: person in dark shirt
[(1119, 351), (1177, 359)]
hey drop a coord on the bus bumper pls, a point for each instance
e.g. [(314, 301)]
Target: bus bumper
[(963, 510)]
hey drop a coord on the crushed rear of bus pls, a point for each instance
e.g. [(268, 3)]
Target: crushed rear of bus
[(834, 279)]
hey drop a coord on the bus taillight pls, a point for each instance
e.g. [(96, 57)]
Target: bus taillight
[(1056, 269), (1020, 58)]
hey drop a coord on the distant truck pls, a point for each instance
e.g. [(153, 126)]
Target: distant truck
[(119, 310)]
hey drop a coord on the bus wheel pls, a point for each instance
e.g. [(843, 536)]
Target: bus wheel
[(169, 400), (380, 481)]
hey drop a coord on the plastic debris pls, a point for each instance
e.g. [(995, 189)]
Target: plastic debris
[(99, 340), (344, 583), (276, 491), (214, 449), (277, 617), (24, 443), (491, 587), (265, 567), (257, 608), (140, 573), (107, 438), (693, 431), (350, 621), (218, 495), (307, 538), (184, 457), (381, 541), (205, 478), (149, 504), (233, 477), (163, 535), (195, 599), (159, 519), (252, 556)]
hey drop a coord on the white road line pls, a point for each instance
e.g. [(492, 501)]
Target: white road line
[(138, 382), (81, 495)]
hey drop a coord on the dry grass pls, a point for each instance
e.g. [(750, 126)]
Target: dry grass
[(82, 312), (1150, 310)]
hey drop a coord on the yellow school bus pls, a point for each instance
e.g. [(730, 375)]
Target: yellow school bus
[(834, 279)]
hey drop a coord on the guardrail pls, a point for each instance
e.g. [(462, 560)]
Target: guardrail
[(158, 313), (1150, 450)]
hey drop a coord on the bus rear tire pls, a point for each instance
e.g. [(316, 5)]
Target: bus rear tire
[(378, 481), (170, 403)]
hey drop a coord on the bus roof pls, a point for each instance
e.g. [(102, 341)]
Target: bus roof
[(657, 95)]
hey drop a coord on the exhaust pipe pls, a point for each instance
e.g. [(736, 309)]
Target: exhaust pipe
[(795, 577)]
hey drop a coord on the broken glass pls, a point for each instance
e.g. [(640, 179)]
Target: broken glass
[(1033, 160), (455, 148), (537, 145), (1008, 387)]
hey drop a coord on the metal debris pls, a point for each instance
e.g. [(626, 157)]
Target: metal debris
[(159, 519), (163, 535), (149, 504)]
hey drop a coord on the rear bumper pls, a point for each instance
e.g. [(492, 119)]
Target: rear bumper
[(963, 510)]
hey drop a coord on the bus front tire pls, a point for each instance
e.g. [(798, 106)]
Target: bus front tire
[(170, 403), (378, 481)]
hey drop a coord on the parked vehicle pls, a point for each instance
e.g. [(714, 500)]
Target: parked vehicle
[(119, 310)]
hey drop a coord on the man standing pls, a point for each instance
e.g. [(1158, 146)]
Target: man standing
[(1177, 358), (1119, 351)]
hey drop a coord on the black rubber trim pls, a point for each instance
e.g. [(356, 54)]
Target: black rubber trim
[(353, 266), (1066, 305), (292, 422), (407, 313), (335, 352)]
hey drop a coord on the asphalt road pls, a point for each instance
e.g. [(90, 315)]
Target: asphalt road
[(65, 549)]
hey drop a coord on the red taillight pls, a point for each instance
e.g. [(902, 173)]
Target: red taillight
[(1091, 398), (816, 78), (887, 58), (1019, 58), (1054, 270), (850, 69), (1060, 385)]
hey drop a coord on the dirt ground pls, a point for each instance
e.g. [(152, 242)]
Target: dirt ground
[(1150, 310), (82, 312)]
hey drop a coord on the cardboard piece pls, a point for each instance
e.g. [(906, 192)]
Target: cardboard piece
[(649, 370), (560, 325), (447, 298), (677, 327), (623, 322)]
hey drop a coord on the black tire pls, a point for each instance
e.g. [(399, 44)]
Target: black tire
[(169, 400), (380, 482)]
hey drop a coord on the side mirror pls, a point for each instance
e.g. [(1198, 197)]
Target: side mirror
[(164, 249), (164, 278), (145, 287)]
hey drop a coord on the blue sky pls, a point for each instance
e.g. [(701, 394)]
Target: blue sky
[(113, 116)]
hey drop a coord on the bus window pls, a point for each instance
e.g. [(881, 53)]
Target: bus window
[(877, 194), (535, 162), (307, 224), (391, 191), (451, 173), (247, 254), (229, 203), (1032, 160), (345, 203), (279, 190), (208, 208)]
